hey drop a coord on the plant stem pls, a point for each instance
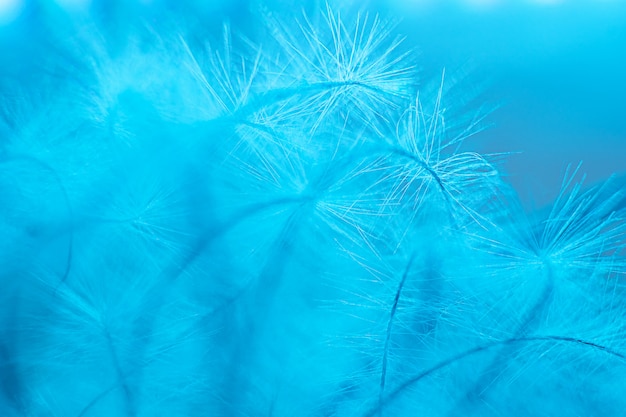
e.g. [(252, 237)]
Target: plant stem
[(471, 397), (508, 342), (394, 307)]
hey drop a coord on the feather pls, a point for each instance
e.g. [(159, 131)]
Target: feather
[(280, 220)]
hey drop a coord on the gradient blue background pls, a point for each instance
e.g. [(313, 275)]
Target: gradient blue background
[(557, 68)]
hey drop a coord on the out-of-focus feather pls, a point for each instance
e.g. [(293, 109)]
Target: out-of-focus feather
[(280, 224)]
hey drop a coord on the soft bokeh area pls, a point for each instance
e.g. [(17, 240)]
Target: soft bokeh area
[(555, 67)]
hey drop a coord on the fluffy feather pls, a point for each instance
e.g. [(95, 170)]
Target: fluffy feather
[(198, 223)]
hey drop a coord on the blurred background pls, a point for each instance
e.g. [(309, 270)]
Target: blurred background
[(552, 70), (557, 69)]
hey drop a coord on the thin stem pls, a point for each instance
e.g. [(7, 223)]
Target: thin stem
[(432, 173), (211, 234), (392, 314), (68, 207), (513, 341), (260, 297), (526, 326), (154, 301), (121, 378)]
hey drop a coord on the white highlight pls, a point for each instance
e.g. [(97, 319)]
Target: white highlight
[(10, 10)]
